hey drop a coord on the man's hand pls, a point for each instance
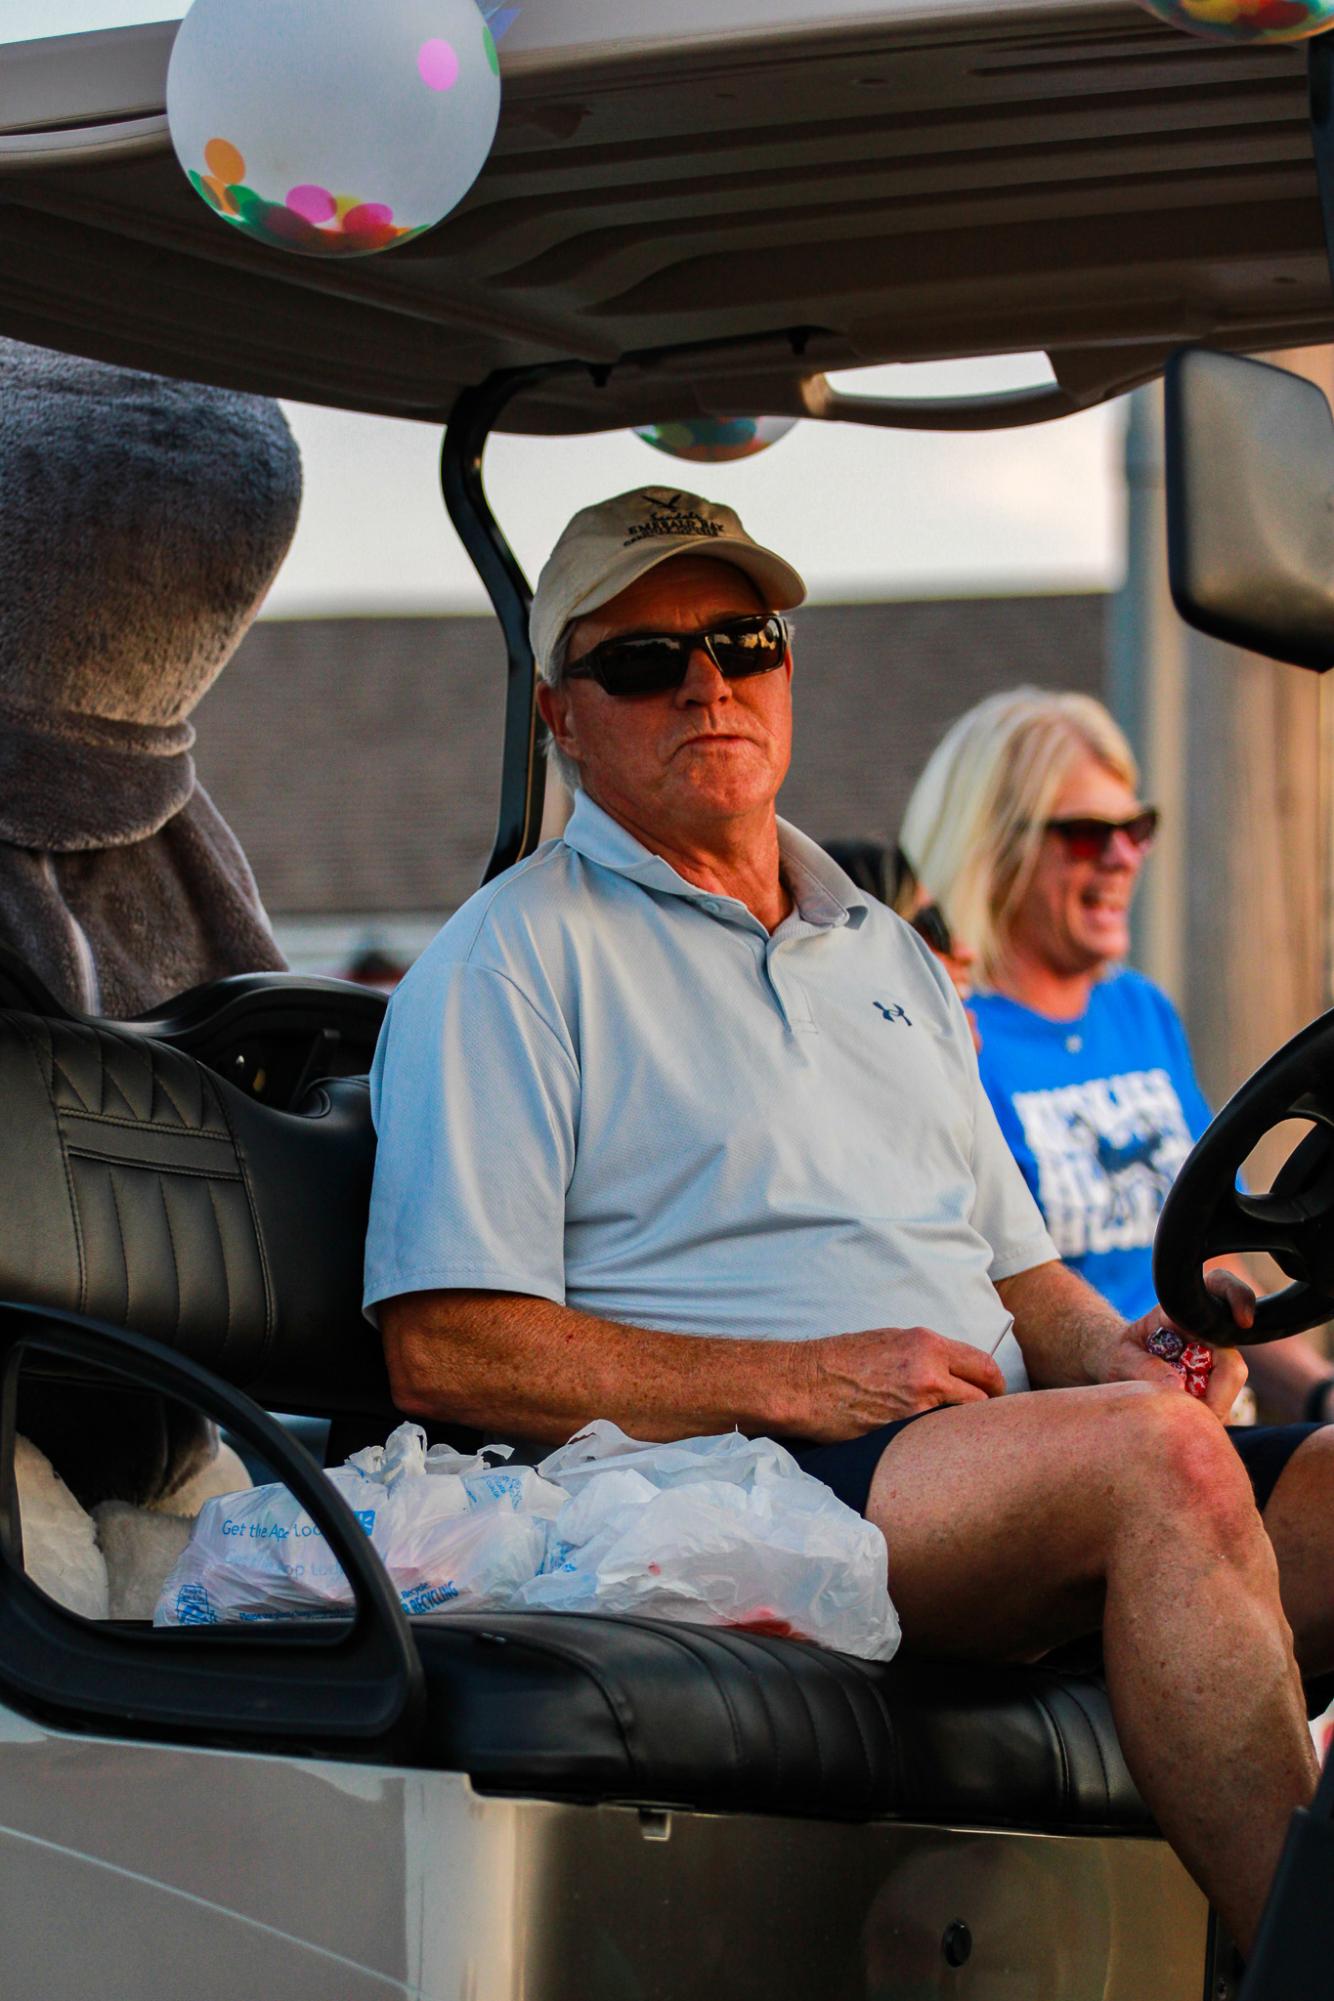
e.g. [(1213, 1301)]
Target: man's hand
[(1130, 1360), (854, 1382)]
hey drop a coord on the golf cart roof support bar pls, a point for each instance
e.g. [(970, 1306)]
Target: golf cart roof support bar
[(1320, 80), (522, 769)]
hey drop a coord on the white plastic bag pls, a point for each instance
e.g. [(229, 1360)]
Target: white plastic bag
[(715, 1531), (452, 1531), (724, 1531)]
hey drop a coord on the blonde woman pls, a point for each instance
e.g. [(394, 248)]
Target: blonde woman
[(1029, 827)]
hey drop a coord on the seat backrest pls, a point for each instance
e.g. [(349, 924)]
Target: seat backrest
[(270, 1033), (139, 1187)]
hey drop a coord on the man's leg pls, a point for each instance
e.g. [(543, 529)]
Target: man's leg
[(1300, 1522), (1020, 1523)]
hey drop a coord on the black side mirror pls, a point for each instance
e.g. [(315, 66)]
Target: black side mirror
[(1250, 505)]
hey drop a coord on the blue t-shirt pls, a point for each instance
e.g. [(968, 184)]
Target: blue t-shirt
[(1100, 1113)]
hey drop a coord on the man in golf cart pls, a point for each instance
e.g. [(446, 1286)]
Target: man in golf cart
[(679, 1129)]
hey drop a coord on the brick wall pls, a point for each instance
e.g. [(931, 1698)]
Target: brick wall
[(358, 759)]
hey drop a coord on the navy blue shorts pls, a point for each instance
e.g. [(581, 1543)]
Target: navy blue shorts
[(849, 1467)]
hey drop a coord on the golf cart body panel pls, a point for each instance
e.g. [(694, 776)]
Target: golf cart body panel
[(226, 1873), (711, 215)]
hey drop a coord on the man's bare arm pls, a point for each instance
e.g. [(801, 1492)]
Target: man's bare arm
[(1068, 1332), (528, 1368), (1071, 1336)]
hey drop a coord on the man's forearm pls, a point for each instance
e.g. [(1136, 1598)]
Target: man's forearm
[(1066, 1330), (528, 1368)]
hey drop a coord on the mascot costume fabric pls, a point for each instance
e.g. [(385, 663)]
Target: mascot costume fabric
[(141, 524)]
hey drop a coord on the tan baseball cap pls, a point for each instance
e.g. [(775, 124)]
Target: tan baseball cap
[(606, 547)]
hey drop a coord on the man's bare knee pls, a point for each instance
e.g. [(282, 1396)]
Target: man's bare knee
[(1169, 1452)]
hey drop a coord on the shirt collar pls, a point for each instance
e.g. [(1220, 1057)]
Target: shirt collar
[(825, 897)]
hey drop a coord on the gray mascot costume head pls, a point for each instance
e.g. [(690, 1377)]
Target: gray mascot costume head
[(141, 523)]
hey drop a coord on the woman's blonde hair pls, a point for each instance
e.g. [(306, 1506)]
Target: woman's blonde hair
[(974, 823)]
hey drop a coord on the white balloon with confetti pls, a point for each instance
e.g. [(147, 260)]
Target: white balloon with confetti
[(1247, 20), (333, 127), (715, 440)]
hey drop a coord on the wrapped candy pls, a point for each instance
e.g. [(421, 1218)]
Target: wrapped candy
[(1193, 1361)]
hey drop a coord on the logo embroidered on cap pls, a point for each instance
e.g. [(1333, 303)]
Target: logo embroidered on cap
[(893, 1012), (668, 517)]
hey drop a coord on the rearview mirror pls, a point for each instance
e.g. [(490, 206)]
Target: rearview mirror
[(1250, 505)]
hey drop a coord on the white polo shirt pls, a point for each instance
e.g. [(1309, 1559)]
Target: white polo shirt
[(608, 1088)]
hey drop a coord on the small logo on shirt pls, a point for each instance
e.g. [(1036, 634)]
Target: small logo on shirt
[(892, 1012)]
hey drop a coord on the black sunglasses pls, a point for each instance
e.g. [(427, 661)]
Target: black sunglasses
[(1088, 840), (652, 663)]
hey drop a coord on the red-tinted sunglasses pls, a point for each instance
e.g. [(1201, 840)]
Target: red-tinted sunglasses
[(1088, 840)]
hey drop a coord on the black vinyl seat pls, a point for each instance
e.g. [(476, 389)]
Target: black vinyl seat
[(138, 1187), (271, 1033), (594, 1708)]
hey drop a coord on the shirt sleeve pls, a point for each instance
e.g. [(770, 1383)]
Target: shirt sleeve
[(475, 1098)]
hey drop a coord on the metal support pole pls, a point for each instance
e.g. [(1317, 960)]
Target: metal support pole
[(522, 769), (1294, 1952), (1320, 86)]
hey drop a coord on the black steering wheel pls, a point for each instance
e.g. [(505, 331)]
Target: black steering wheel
[(1205, 1214)]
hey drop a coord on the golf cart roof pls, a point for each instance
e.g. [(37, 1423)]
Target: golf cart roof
[(711, 214)]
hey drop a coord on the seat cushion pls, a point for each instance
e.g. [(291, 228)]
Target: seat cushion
[(639, 1710)]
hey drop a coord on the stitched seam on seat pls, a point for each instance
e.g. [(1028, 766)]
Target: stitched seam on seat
[(132, 1116), (1067, 1785), (715, 1642), (120, 1232), (1078, 1703), (571, 1657), (832, 1673), (838, 1675), (154, 1166), (58, 1069), (48, 1085), (270, 1315), (175, 1260), (226, 1279), (160, 1084), (857, 1719), (144, 1125), (682, 1645)]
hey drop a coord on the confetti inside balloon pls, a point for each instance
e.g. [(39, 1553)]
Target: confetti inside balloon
[(333, 127), (715, 440), (1247, 20)]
